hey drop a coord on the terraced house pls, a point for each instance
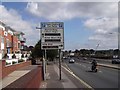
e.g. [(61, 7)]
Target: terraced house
[(11, 41)]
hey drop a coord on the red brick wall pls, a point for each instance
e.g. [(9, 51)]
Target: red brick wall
[(15, 43), (12, 38), (8, 69), (29, 80)]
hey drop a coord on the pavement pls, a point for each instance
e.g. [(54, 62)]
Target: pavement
[(52, 79)]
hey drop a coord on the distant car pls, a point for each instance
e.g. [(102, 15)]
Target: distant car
[(116, 61), (71, 61), (64, 57)]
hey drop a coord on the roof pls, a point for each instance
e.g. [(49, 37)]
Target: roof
[(8, 27)]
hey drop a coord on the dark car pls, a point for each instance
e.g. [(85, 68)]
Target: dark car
[(116, 61)]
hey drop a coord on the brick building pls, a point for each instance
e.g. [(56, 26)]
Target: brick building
[(11, 41)]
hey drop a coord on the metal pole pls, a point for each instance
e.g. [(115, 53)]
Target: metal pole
[(43, 65), (45, 60), (118, 44), (60, 63)]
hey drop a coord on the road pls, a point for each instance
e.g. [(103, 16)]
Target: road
[(104, 78), (100, 61)]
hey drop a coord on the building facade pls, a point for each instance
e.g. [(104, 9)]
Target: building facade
[(11, 41)]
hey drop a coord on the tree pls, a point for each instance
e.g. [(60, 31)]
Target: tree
[(51, 54), (36, 51), (116, 51), (92, 51), (31, 48), (83, 52), (76, 51), (70, 51)]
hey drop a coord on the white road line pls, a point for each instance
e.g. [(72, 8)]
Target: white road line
[(100, 71), (68, 67), (78, 63), (89, 67), (84, 66), (83, 82)]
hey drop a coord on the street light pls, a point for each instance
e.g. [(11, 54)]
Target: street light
[(118, 46), (118, 42), (100, 43)]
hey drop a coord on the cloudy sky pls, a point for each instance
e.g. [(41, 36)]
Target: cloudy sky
[(86, 24)]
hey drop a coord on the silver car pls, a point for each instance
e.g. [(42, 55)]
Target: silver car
[(71, 61)]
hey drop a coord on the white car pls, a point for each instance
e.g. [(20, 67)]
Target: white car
[(71, 61)]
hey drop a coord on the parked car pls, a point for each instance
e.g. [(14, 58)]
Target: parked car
[(71, 61), (116, 61)]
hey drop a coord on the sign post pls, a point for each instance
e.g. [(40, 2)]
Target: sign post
[(52, 37), (60, 63), (45, 60)]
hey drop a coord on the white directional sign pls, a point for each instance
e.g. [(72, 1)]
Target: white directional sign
[(52, 35)]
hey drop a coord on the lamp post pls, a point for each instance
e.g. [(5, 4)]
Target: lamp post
[(118, 43), (100, 43)]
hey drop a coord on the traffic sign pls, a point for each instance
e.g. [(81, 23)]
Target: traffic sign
[(52, 35)]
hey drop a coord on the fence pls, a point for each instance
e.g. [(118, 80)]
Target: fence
[(10, 60)]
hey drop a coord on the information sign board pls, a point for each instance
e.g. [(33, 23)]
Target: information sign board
[(52, 35)]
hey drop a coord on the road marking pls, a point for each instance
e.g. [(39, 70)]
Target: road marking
[(77, 63), (84, 66), (83, 82), (100, 71), (68, 67)]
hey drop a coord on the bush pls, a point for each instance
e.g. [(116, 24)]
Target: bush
[(22, 56), (13, 56), (21, 60), (26, 55), (13, 62), (6, 56), (7, 63)]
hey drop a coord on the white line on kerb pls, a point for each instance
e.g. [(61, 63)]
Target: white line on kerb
[(83, 82)]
